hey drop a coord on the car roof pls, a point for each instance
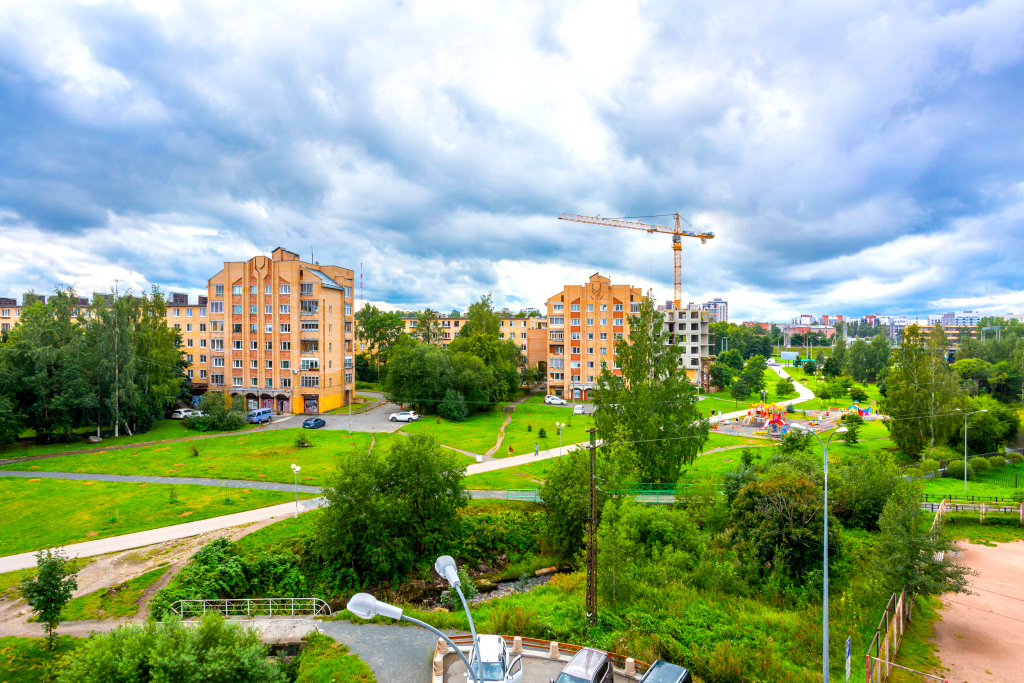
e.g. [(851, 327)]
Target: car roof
[(663, 672), (585, 662), (490, 648)]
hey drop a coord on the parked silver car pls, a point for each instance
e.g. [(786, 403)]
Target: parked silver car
[(553, 400), (587, 666), (494, 662), (404, 416)]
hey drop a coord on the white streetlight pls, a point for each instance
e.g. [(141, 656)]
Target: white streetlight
[(295, 471), (446, 567), (824, 618), (559, 426), (365, 606), (965, 441)]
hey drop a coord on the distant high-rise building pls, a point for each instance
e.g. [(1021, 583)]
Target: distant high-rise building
[(718, 308)]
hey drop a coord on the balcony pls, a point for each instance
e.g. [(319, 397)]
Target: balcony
[(556, 336)]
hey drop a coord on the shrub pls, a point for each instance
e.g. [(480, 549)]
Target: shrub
[(453, 407), (542, 434), (955, 469), (529, 427), (323, 659), (1014, 458), (193, 451), (214, 414), (302, 439), (978, 464), (929, 466), (450, 598), (858, 394), (567, 583), (996, 461), (913, 472)]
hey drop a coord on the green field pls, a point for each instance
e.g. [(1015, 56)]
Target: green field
[(255, 456), (477, 434), (112, 603), (162, 431), (529, 476), (994, 482), (41, 513), (24, 660), (534, 416)]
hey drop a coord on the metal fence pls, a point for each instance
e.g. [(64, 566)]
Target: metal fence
[(530, 495), (251, 607)]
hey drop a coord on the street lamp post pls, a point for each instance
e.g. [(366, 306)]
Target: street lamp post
[(295, 471), (446, 567), (365, 606), (559, 426), (824, 617), (965, 441)]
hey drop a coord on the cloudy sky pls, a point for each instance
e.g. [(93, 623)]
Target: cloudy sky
[(851, 156)]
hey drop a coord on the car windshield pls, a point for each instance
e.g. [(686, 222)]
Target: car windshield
[(566, 678), (489, 671)]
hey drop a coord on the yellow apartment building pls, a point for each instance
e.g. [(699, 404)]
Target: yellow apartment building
[(10, 313), (194, 324), (583, 323)]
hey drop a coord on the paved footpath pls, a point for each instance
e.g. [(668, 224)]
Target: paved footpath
[(184, 481)]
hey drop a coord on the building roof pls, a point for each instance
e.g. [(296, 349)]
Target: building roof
[(325, 279)]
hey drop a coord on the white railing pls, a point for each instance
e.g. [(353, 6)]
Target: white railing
[(250, 607)]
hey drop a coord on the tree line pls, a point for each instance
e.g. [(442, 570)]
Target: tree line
[(61, 371)]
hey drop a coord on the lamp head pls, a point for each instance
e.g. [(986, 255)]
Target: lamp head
[(842, 430), (365, 606), (983, 411), (446, 567), (802, 428)]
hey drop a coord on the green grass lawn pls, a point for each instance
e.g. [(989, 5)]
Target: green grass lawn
[(256, 456), (162, 430), (112, 603), (24, 660), (476, 434), (529, 476), (535, 416), (995, 482), (52, 512)]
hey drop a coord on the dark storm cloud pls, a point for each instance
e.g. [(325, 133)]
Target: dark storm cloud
[(860, 156)]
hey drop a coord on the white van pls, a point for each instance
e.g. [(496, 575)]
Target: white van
[(259, 416)]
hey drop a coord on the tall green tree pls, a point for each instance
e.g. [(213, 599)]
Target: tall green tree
[(652, 403), (428, 327), (380, 330), (49, 589), (858, 360), (482, 318)]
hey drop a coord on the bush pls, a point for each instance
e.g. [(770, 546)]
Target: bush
[(978, 464), (955, 469), (913, 472), (996, 461), (323, 659), (450, 598), (1014, 458), (208, 652), (858, 394), (215, 416), (302, 439), (542, 434), (453, 407), (929, 466)]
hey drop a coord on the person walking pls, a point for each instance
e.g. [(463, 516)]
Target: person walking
[(510, 450), (536, 449)]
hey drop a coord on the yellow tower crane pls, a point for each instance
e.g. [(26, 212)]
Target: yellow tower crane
[(677, 233)]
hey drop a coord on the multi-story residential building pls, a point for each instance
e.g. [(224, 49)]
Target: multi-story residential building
[(584, 322), (522, 330), (194, 324), (688, 327), (281, 333), (803, 320), (718, 308), (10, 313)]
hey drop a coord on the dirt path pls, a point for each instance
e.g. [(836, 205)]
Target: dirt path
[(510, 408), (978, 636)]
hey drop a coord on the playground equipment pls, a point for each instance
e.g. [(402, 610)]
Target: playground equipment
[(771, 419), (863, 412)]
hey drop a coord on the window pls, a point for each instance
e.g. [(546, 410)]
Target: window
[(236, 381), (574, 336), (254, 345), (557, 375), (604, 321), (412, 323), (188, 327), (218, 290), (574, 364), (309, 364), (604, 350), (216, 344), (177, 326), (694, 326), (306, 289), (188, 312), (590, 350), (590, 363), (286, 365), (501, 335), (522, 335), (286, 309), (558, 307), (310, 380), (237, 309), (604, 307), (574, 308), (217, 380), (308, 306), (617, 322), (266, 290), (590, 308), (253, 364), (269, 328), (286, 382), (558, 363), (330, 310), (252, 328), (269, 365), (557, 321), (590, 378), (310, 346), (617, 336), (270, 382), (285, 289), (268, 345), (177, 312), (616, 308), (634, 308), (188, 343), (216, 307), (310, 325), (253, 382), (236, 289), (5, 313), (202, 327), (694, 338), (348, 378), (693, 361), (574, 322), (348, 309), (590, 336), (252, 289), (268, 309), (237, 363), (188, 357), (216, 325), (574, 349), (604, 336), (348, 327), (694, 349), (236, 345), (348, 362), (286, 327), (286, 346), (236, 328), (202, 374), (202, 312), (202, 358), (252, 309)]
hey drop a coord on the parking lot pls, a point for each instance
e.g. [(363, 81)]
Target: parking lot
[(375, 420)]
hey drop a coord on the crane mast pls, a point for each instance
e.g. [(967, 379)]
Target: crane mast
[(677, 233)]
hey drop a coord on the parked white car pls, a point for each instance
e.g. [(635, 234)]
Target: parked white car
[(577, 409), (553, 400), (494, 663), (181, 413), (404, 416)]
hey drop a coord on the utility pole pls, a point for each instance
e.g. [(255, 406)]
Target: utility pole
[(592, 532), (117, 363)]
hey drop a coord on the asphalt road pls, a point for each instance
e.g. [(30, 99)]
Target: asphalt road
[(375, 420)]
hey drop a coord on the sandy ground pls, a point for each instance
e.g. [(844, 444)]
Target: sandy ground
[(979, 636), (105, 571)]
